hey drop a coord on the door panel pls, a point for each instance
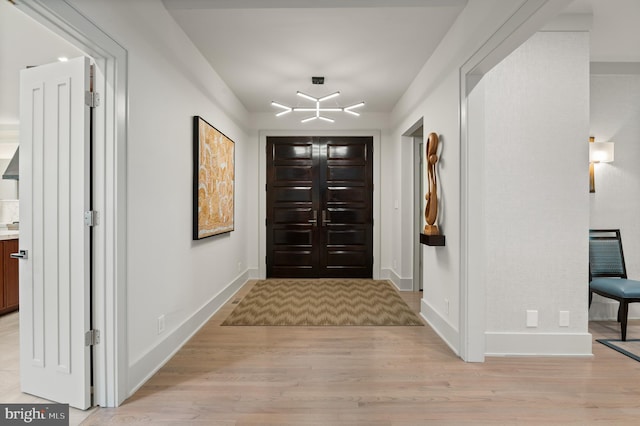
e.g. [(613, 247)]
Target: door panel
[(292, 194), (54, 194), (292, 206), (346, 173), (295, 215), (293, 237), (319, 207), (344, 195), (294, 173), (346, 179), (346, 237)]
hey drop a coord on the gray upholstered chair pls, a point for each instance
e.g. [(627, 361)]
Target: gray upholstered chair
[(608, 273)]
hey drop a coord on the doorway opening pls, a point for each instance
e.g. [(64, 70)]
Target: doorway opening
[(376, 137), (416, 137), (319, 207), (109, 238)]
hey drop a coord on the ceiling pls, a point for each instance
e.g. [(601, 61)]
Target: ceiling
[(266, 50), (265, 53), (615, 32)]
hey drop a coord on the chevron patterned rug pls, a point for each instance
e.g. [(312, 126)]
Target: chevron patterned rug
[(322, 302)]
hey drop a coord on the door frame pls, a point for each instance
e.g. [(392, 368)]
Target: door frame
[(262, 181), (317, 156), (110, 360), (418, 211), (415, 136)]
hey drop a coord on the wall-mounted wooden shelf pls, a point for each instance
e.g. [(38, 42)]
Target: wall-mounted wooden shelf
[(432, 240)]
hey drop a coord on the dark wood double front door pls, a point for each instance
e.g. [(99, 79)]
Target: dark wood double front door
[(319, 207)]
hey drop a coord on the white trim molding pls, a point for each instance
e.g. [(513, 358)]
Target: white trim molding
[(402, 284), (441, 326)]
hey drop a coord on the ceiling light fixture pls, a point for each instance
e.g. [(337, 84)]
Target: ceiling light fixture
[(284, 107), (317, 109)]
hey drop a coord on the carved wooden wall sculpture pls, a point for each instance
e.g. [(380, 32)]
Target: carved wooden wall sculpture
[(431, 210)]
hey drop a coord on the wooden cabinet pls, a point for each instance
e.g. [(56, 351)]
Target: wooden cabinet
[(9, 288)]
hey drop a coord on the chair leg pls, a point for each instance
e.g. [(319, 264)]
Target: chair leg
[(590, 298), (622, 314)]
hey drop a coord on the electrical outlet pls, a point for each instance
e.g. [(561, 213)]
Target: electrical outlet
[(161, 324), (239, 266), (446, 306), (395, 264), (532, 318), (563, 320)]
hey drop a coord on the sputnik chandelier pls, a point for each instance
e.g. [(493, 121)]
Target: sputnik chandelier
[(318, 109)]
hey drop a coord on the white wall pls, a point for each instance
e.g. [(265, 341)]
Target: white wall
[(8, 187), (615, 116), (168, 273), (536, 197), (434, 96), (441, 265)]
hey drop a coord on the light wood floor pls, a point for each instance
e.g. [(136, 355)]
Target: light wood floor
[(375, 376)]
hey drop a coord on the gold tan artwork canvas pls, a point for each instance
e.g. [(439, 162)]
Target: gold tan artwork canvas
[(214, 176)]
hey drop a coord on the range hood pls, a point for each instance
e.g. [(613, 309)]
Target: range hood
[(13, 169)]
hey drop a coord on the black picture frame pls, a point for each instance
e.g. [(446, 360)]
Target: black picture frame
[(213, 181)]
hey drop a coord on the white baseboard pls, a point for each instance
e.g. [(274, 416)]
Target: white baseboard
[(146, 366), (254, 274), (441, 326), (403, 284), (538, 344)]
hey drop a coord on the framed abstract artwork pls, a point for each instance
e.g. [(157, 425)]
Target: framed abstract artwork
[(213, 181)]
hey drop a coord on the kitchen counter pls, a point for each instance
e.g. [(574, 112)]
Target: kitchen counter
[(6, 234)]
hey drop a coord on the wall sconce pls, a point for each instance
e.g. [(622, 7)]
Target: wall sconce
[(599, 152)]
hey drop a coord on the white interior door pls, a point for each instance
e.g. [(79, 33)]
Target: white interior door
[(54, 194)]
